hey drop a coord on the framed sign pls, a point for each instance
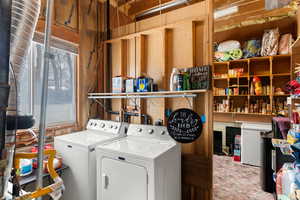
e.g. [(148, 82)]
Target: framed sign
[(185, 126)]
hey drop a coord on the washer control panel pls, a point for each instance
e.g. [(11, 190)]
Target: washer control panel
[(104, 126)]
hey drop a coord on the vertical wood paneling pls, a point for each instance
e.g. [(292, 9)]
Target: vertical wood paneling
[(155, 70), (89, 59), (67, 13), (182, 43)]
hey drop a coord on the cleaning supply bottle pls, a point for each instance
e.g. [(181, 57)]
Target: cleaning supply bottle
[(180, 78), (186, 80), (174, 79)]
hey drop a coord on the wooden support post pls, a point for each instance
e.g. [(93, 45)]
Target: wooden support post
[(166, 67), (141, 71), (124, 63)]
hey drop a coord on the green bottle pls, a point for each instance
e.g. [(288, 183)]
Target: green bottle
[(186, 80)]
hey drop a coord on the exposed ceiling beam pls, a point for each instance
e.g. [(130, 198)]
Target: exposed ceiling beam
[(140, 6), (122, 5), (222, 3), (123, 2)]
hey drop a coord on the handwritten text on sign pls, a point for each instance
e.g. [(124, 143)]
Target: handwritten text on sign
[(185, 126)]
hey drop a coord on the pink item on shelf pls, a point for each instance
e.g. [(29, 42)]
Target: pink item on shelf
[(285, 44)]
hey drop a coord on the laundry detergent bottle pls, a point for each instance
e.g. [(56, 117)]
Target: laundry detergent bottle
[(174, 81)]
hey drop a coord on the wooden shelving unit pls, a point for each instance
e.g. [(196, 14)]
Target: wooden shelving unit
[(274, 71)]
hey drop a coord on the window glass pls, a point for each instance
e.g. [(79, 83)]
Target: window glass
[(61, 106)]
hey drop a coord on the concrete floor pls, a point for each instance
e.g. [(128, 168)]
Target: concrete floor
[(235, 181)]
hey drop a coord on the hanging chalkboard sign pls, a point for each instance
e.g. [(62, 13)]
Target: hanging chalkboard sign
[(185, 126)]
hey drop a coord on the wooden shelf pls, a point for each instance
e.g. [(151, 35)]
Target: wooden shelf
[(282, 56), (281, 95), (260, 95), (256, 59), (282, 74), (241, 113), (220, 78), (221, 63), (240, 60), (261, 75)]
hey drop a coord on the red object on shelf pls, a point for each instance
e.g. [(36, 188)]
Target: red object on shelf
[(35, 150), (237, 148)]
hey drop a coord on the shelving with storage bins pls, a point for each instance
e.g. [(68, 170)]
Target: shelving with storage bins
[(274, 71)]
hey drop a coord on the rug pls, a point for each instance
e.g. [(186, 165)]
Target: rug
[(235, 181)]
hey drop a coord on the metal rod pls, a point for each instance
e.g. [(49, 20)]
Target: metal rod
[(43, 110), (144, 96), (162, 7)]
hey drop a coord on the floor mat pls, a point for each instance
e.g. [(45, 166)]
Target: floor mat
[(235, 181)]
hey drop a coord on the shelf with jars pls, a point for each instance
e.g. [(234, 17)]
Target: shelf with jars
[(253, 86)]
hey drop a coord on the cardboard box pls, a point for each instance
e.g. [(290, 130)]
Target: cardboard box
[(144, 84), (130, 85), (118, 84)]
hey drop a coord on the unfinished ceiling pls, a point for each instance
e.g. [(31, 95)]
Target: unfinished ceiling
[(248, 11), (132, 8)]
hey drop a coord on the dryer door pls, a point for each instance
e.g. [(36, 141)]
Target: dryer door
[(123, 181)]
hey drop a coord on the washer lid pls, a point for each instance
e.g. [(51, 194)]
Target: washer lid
[(142, 148), (86, 138)]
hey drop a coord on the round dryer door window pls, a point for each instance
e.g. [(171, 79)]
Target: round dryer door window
[(185, 126)]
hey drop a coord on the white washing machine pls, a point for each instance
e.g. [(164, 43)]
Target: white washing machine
[(145, 165), (78, 152)]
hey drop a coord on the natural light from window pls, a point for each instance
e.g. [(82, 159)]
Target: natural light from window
[(61, 94)]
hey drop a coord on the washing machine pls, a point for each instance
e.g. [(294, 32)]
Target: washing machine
[(78, 153), (145, 165)]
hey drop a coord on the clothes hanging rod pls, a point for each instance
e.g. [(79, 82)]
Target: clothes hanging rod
[(144, 96)]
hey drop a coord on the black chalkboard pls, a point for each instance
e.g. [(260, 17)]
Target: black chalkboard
[(185, 125)]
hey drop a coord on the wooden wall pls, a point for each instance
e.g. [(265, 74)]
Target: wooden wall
[(177, 39)]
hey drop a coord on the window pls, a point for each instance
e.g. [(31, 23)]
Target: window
[(61, 89)]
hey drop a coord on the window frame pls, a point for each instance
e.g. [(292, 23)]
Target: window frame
[(57, 43)]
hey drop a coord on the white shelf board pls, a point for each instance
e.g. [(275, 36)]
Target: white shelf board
[(160, 94)]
